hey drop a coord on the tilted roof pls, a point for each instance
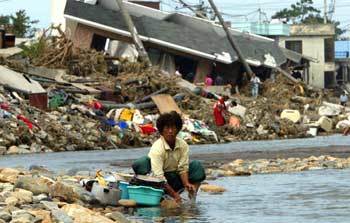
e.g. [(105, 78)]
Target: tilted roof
[(208, 39)]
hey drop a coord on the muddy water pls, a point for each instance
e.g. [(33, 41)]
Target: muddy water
[(314, 196)]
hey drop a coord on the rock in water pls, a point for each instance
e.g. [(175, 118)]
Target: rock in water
[(127, 203), (212, 188)]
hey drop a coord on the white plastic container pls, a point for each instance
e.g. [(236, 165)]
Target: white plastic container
[(106, 195), (313, 131)]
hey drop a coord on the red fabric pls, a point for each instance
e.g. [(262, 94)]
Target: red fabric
[(147, 129), (95, 104), (26, 121), (5, 106), (219, 107)]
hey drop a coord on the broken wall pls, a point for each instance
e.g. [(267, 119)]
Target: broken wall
[(83, 34), (313, 46)]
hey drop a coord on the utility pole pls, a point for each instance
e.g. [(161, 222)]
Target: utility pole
[(134, 34), (325, 12), (230, 39)]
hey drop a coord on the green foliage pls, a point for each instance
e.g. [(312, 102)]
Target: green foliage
[(4, 20), (297, 12), (35, 49), (19, 23), (22, 25)]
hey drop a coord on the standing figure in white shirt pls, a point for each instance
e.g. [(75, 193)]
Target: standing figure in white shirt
[(255, 85)]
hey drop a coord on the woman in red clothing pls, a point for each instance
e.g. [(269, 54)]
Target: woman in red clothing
[(219, 110)]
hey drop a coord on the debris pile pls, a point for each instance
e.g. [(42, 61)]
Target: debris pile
[(93, 101)]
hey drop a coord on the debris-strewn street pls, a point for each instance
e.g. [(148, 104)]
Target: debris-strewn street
[(98, 102)]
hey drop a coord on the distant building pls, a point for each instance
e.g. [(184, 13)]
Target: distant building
[(316, 41), (342, 61)]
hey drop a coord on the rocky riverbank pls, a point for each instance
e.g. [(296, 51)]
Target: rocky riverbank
[(41, 196), (241, 167)]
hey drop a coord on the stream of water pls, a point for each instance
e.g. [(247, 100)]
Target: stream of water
[(313, 196)]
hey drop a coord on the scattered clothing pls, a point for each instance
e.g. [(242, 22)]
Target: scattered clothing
[(26, 121), (126, 114)]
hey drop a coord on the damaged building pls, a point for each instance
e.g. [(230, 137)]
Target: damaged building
[(316, 41), (342, 61), (193, 46)]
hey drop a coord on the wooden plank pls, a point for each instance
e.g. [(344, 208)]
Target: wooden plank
[(87, 88), (165, 103)]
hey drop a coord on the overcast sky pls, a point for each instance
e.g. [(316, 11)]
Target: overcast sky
[(238, 10)]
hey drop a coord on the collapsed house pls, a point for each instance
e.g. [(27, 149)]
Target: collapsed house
[(190, 45)]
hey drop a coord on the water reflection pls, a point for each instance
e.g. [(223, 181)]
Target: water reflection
[(188, 211)]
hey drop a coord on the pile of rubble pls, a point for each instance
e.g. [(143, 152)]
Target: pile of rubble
[(98, 102)]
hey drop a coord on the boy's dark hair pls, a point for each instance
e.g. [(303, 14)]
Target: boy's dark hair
[(169, 119)]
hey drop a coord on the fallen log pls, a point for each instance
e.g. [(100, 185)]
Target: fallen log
[(286, 74)]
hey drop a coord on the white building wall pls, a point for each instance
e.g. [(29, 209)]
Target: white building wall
[(57, 11), (313, 46)]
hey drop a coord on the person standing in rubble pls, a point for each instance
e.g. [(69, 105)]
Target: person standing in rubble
[(208, 81), (168, 160), (255, 81), (343, 99), (219, 110)]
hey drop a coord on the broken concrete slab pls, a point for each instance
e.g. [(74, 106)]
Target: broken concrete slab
[(7, 52), (52, 74), (293, 115), (330, 109), (325, 123), (18, 81), (238, 110)]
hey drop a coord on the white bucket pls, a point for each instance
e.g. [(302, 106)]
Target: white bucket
[(312, 131)]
